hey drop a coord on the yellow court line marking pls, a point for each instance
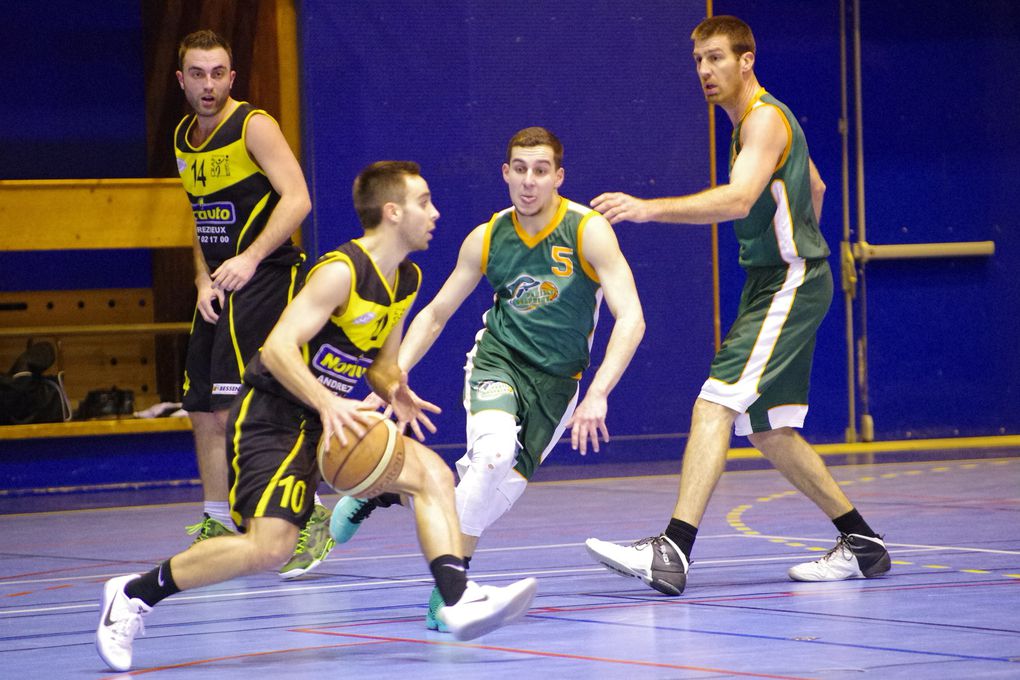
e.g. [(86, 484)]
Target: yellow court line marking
[(735, 516)]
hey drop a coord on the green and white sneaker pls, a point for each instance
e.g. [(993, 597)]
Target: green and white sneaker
[(208, 528), (432, 621), (348, 514), (314, 543)]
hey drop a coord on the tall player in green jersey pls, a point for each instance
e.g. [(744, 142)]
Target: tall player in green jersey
[(549, 261), (758, 383)]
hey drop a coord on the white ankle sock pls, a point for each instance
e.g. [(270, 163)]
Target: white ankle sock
[(219, 511)]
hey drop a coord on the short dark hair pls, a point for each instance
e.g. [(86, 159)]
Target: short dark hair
[(380, 183), (203, 40), (536, 136), (739, 33)]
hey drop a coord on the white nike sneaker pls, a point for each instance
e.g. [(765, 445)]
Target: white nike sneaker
[(119, 621), (483, 609)]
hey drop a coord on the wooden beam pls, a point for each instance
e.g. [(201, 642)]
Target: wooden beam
[(92, 428), (89, 214), (167, 328)]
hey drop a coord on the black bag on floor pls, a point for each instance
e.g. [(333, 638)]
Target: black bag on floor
[(29, 396), (105, 404)]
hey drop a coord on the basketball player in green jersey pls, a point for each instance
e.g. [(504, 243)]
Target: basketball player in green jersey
[(549, 261), (758, 383), (345, 323), (248, 196)]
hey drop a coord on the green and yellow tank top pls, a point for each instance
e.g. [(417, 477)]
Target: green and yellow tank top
[(547, 295), (781, 226)]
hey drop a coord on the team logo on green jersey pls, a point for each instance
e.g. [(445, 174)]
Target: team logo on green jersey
[(527, 293), (488, 390)]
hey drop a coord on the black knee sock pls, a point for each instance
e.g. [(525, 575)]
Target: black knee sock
[(450, 576), (153, 586), (853, 523), (683, 534)]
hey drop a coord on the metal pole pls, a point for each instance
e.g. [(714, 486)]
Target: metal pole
[(847, 267), (867, 423)]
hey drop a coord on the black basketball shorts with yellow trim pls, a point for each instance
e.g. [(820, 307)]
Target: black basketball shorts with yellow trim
[(271, 456), (218, 352)]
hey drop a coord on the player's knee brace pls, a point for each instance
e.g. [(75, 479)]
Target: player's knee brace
[(488, 487)]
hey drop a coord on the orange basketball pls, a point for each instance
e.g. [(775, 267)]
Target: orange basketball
[(367, 465)]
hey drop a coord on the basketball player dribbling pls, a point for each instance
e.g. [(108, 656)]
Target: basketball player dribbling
[(350, 313)]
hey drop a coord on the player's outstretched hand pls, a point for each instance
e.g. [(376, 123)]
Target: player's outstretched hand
[(618, 207), (587, 422), (410, 409)]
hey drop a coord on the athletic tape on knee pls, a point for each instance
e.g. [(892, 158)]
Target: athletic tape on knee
[(485, 469)]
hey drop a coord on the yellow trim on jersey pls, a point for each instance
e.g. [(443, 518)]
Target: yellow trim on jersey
[(194, 119), (756, 102), (244, 135), (233, 336), (391, 290), (267, 493), (334, 256), (235, 458), (585, 265), (789, 136), (532, 241), (255, 212), (487, 239)]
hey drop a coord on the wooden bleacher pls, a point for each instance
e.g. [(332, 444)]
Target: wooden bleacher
[(106, 337)]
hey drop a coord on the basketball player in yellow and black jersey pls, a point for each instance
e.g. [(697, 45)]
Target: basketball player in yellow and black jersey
[(248, 196), (352, 308)]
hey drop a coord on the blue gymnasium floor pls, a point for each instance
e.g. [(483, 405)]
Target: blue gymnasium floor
[(947, 610)]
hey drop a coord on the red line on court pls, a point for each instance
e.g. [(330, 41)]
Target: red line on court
[(554, 655), (76, 568), (199, 662)]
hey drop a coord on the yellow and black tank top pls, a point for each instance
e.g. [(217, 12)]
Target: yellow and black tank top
[(340, 353), (231, 197)]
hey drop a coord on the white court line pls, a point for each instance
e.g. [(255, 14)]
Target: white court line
[(919, 546), (914, 548), (180, 599)]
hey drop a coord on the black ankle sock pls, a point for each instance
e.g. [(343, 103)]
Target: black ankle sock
[(467, 562), (853, 523), (153, 586), (385, 500), (450, 576), (683, 534)]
